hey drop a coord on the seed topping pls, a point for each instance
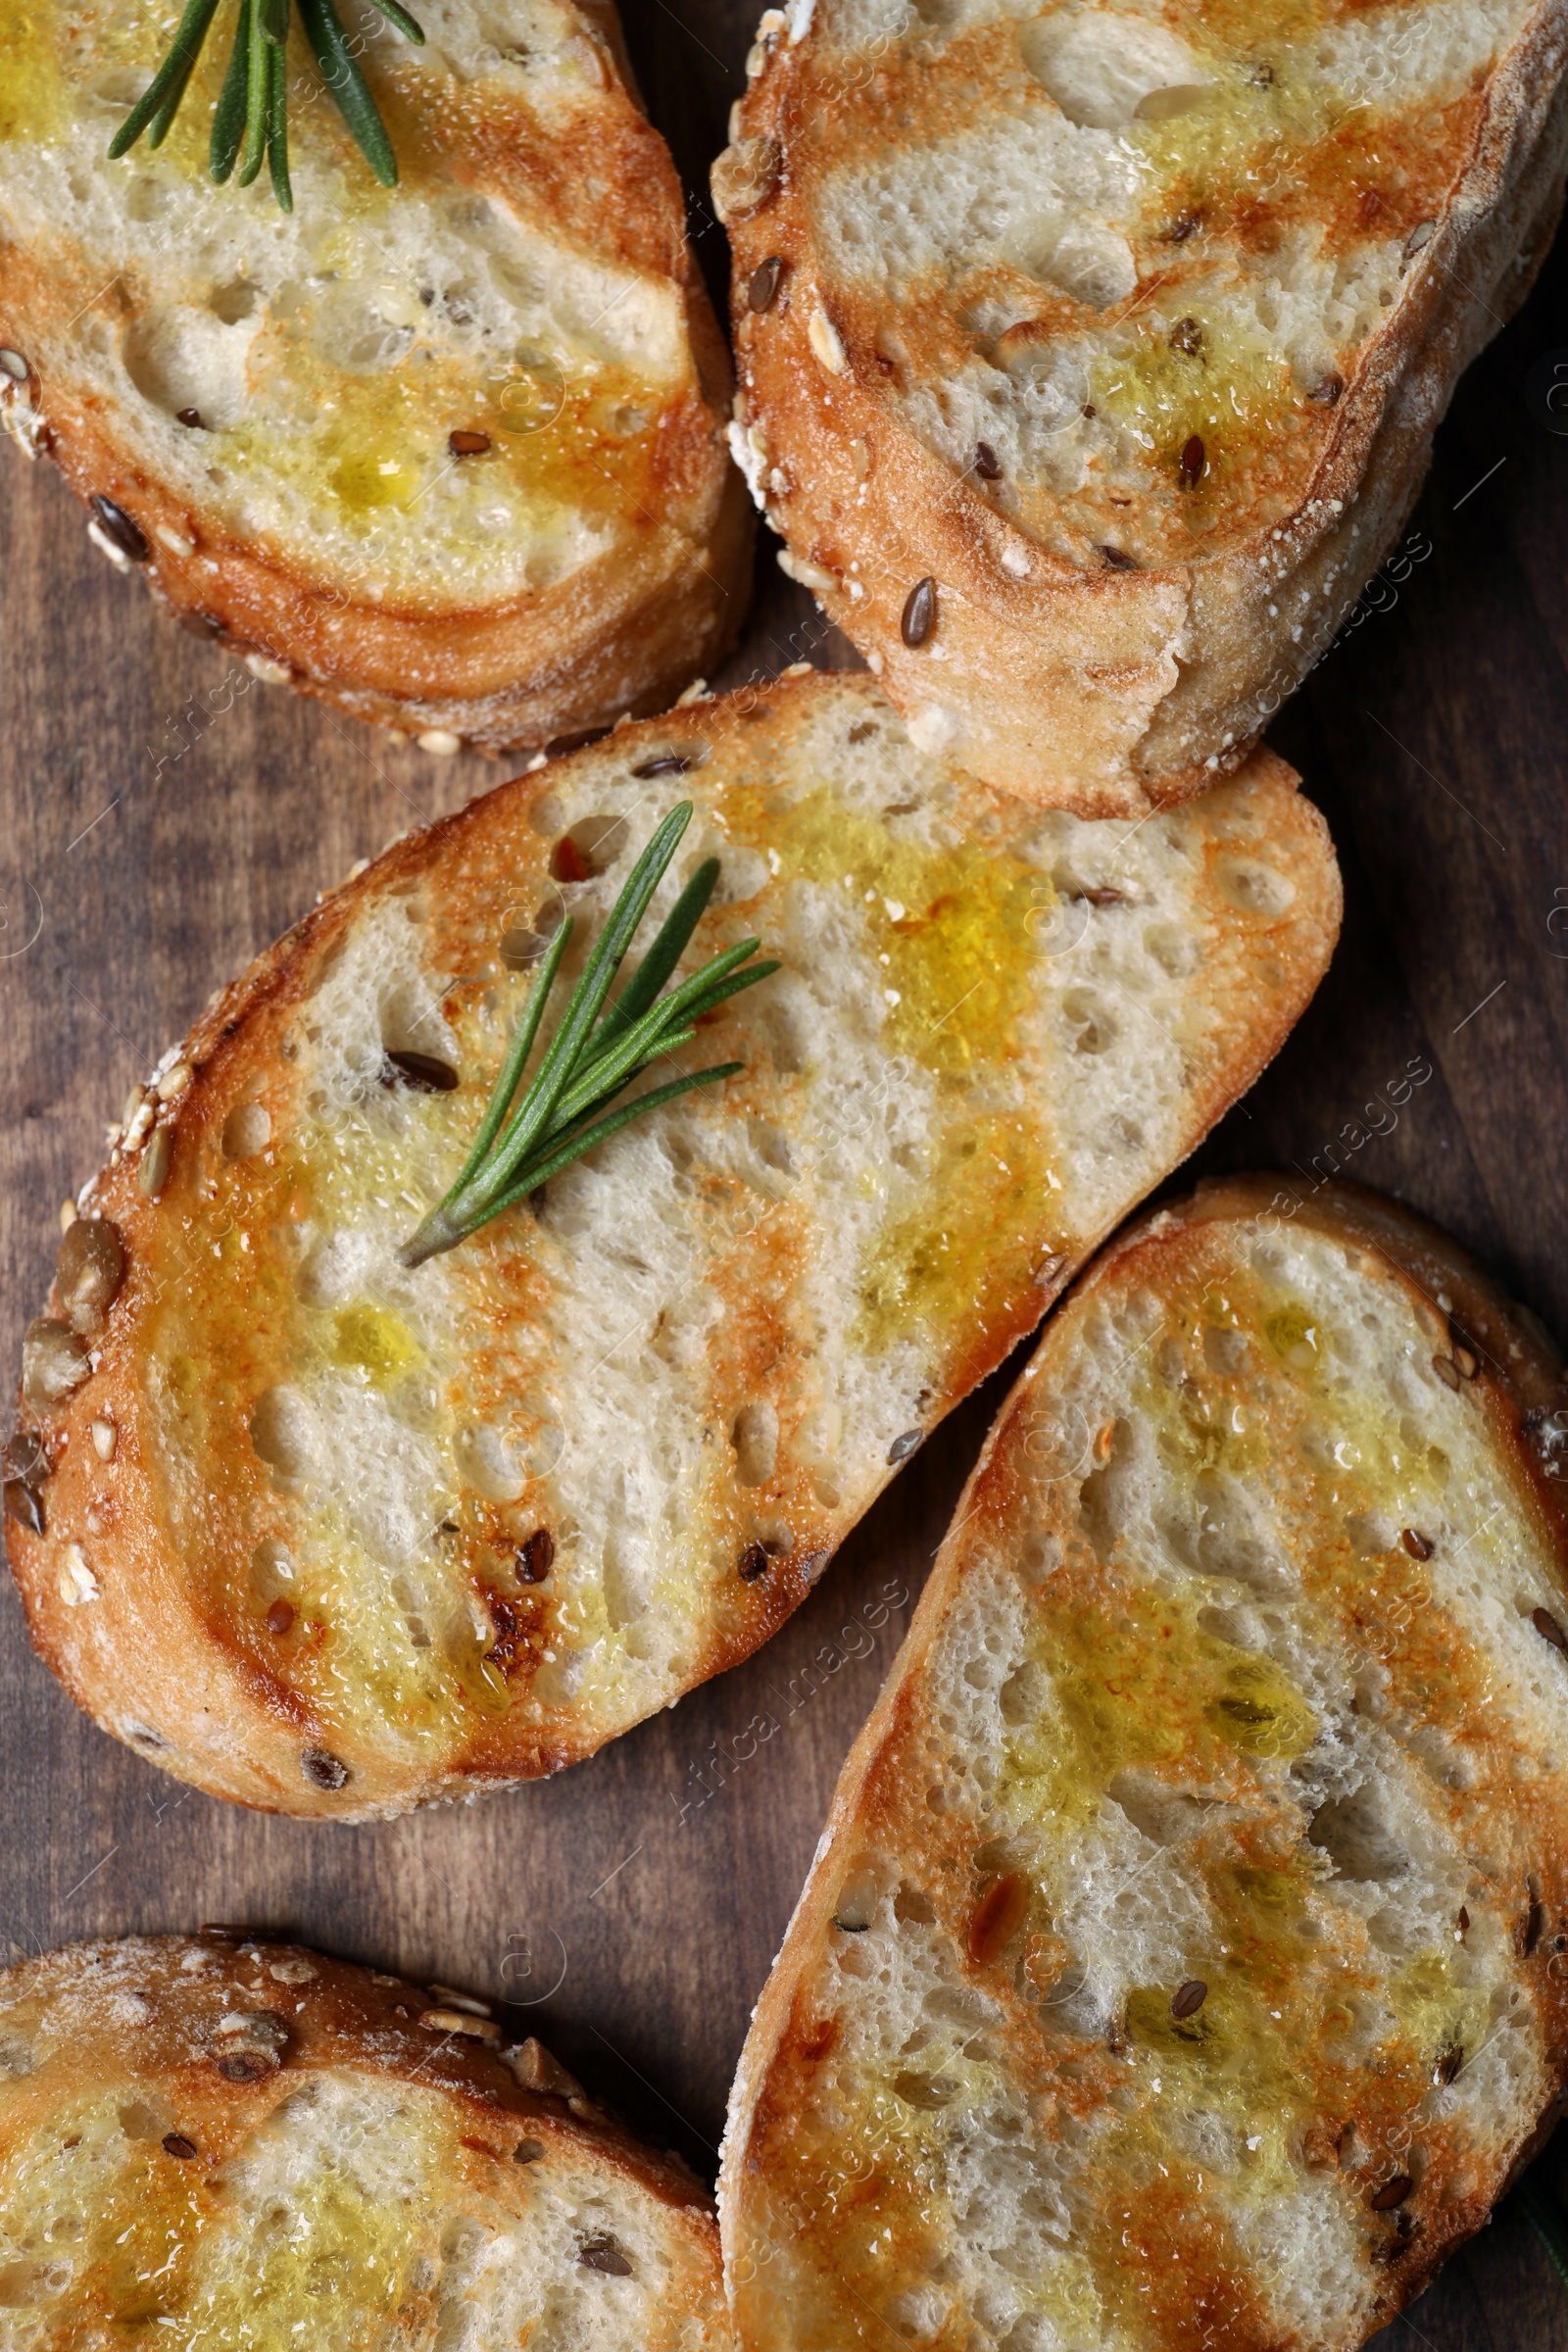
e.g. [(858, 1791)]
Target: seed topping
[(25, 1506), (323, 1769), (827, 343), (667, 763), (753, 1564), (461, 2021), (90, 1268), (77, 1585), (1447, 1370), (120, 529), (156, 1162), (177, 2144), (247, 2066), (1327, 390), (763, 284), (1393, 2193), (997, 1917), (191, 419), (743, 177), (1189, 1998), (26, 1458), (105, 1438), (1415, 1543), (14, 365), (1548, 1626), (536, 1557), (987, 464), (902, 1446), (1529, 1927), (919, 616), (424, 1073), (54, 1361), (279, 1617), (1194, 463), (1118, 560), (469, 445), (1187, 337), (604, 2254)]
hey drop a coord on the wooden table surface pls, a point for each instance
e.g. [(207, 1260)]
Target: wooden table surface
[(162, 817)]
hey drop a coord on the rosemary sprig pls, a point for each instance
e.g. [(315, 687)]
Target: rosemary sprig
[(250, 122), (594, 1055)]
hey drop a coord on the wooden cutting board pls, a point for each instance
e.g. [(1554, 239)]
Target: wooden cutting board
[(162, 817)]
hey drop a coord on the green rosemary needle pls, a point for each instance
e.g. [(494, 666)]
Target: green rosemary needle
[(250, 122), (594, 1055)]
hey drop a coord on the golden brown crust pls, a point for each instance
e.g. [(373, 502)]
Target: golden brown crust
[(1106, 690), (1516, 1375), (623, 631), (173, 1653)]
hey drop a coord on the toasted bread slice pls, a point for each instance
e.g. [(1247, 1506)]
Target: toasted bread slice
[(260, 408), (205, 2142), (1127, 329), (323, 1535), (1183, 1961)]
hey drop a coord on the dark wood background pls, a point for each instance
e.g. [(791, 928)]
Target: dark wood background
[(162, 818)]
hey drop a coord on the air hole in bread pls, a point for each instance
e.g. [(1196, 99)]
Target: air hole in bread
[(1094, 1025), (283, 1434), (1165, 1816), (247, 1130), (1352, 1831), (755, 1438), (1105, 70), (1175, 950), (240, 299), (486, 1462), (1252, 887), (138, 2119), (589, 848), (410, 1023), (1105, 1498), (1371, 1534), (1224, 1351), (182, 358), (856, 1907), (742, 874), (120, 86)]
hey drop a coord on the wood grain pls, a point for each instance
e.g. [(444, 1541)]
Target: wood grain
[(164, 818)]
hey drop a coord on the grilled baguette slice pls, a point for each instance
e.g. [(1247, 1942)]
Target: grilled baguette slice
[(1182, 1961), (1128, 329), (322, 1535), (251, 2144), (266, 403)]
